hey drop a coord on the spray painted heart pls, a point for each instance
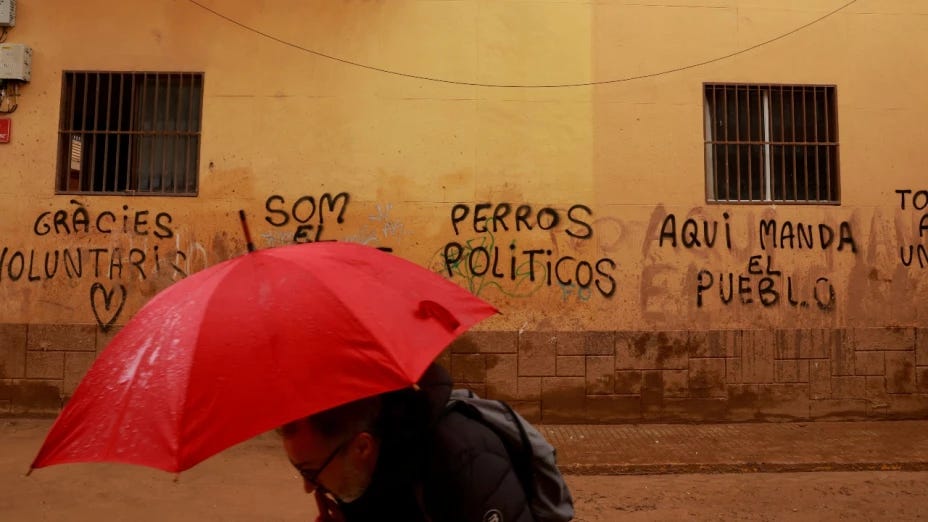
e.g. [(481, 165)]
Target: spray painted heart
[(109, 308)]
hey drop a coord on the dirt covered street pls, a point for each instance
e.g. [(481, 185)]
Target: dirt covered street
[(819, 496), (253, 481)]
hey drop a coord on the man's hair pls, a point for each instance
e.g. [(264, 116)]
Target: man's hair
[(341, 421)]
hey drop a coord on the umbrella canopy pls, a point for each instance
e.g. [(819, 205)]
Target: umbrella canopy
[(254, 342)]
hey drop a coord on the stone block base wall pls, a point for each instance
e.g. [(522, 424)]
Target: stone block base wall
[(705, 376), (41, 365), (595, 377)]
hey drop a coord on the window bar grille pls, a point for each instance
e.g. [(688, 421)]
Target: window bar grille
[(166, 140), (84, 141), (191, 127), (713, 138), (721, 137), (745, 137), (724, 145), (749, 145), (163, 88), (815, 148), (792, 137), (94, 119), (157, 131), (137, 139), (805, 149), (178, 138), (757, 145), (128, 132), (754, 139), (739, 193), (829, 146), (119, 130), (720, 159), (729, 159), (106, 129), (149, 134), (765, 104), (784, 195), (131, 146), (67, 116), (778, 141)]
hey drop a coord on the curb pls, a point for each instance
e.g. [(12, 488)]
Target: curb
[(737, 467)]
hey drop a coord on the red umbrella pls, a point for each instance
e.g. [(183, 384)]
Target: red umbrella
[(252, 343)]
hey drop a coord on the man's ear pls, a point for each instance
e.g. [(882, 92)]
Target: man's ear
[(366, 446)]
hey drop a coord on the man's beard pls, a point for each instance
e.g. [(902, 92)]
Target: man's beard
[(355, 483)]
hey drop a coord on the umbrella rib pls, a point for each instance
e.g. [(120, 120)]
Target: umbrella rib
[(124, 406), (217, 276)]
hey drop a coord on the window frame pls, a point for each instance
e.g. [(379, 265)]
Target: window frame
[(123, 122), (765, 142)]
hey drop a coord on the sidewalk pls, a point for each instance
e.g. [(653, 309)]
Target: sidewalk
[(667, 448), (734, 448), (254, 481)]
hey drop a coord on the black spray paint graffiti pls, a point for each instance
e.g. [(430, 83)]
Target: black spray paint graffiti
[(303, 211), (74, 263), (761, 283), (309, 213), (111, 264), (785, 235), (484, 263), (912, 253), (689, 232), (472, 271), (79, 220), (789, 235), (765, 285), (110, 309)]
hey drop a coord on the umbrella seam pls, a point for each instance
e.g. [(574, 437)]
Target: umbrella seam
[(357, 320), (181, 436)]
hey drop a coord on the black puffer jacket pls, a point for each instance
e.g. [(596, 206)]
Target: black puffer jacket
[(436, 466)]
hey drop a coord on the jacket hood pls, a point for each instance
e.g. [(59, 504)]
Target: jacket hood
[(435, 385)]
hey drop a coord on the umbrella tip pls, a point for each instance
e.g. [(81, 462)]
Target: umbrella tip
[(30, 471), (416, 387), (176, 478)]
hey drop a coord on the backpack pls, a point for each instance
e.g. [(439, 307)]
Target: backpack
[(534, 460)]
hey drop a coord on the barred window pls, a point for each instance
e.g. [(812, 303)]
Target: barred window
[(771, 143), (129, 132)]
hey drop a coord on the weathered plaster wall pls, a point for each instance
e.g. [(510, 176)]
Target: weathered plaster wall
[(579, 211)]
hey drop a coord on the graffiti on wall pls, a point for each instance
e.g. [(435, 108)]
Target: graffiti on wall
[(306, 215), (155, 248), (915, 254), (517, 271), (138, 244), (304, 220), (761, 282), (515, 249)]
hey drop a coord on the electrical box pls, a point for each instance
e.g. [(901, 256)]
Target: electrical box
[(15, 62), (7, 13)]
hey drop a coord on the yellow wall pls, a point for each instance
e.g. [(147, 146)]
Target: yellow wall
[(278, 120)]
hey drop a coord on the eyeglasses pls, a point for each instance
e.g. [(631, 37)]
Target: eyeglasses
[(312, 475)]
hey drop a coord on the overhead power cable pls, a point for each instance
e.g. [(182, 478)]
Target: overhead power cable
[(522, 86)]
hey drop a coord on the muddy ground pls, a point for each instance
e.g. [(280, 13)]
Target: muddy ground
[(253, 481)]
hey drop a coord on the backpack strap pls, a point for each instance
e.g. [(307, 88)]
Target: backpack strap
[(522, 460), (519, 457)]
